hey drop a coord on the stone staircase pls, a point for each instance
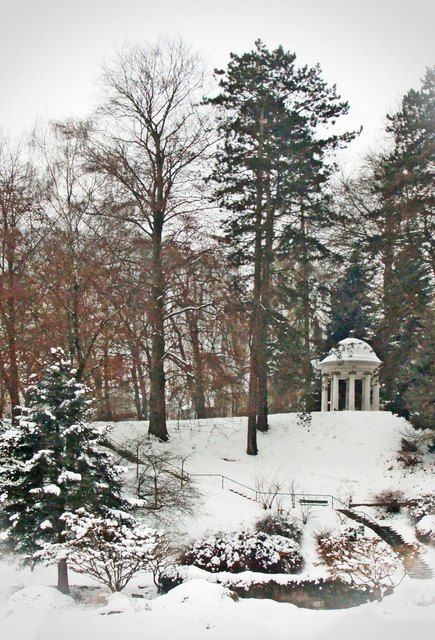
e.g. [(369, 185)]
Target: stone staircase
[(414, 564), (243, 495)]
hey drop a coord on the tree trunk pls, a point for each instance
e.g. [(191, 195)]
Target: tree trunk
[(98, 392), (253, 362), (389, 302), (198, 363), (262, 399), (62, 577), (137, 401), (138, 379), (76, 339), (143, 389), (2, 401), (106, 381), (256, 319), (157, 425), (11, 329), (256, 300), (306, 317)]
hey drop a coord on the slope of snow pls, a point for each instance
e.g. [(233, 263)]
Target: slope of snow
[(339, 454)]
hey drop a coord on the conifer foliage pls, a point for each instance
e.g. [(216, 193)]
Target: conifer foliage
[(52, 463), (404, 184), (269, 173), (352, 308)]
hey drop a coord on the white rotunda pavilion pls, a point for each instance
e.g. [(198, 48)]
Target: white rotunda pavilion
[(350, 377)]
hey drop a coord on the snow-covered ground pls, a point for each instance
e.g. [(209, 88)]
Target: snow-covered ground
[(342, 454)]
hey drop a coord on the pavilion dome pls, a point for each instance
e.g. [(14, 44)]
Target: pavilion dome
[(352, 351), (354, 365)]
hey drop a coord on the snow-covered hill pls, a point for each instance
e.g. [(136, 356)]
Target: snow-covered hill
[(342, 454)]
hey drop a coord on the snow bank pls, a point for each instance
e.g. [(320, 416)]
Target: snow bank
[(340, 453), (36, 598)]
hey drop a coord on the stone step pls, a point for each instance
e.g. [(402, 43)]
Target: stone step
[(243, 495)]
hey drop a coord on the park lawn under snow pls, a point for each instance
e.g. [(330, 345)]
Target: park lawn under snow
[(339, 454)]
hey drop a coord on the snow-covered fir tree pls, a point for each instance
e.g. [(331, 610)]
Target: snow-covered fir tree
[(52, 463)]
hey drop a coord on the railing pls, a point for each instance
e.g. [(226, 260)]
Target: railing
[(304, 499), (307, 499), (364, 514)]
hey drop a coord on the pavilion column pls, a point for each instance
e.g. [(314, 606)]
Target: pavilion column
[(366, 392), (325, 389), (376, 389), (351, 392), (334, 392)]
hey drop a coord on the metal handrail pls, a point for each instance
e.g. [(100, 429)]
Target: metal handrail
[(185, 474), (366, 515)]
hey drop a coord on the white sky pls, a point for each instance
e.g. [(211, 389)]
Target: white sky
[(51, 50)]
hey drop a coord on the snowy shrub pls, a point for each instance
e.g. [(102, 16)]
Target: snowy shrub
[(425, 529), (109, 549), (421, 506), (170, 577), (244, 551), (362, 561), (275, 524)]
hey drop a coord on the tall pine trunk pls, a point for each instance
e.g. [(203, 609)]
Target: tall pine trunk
[(390, 301), (252, 448), (256, 320), (306, 316), (262, 399), (255, 345)]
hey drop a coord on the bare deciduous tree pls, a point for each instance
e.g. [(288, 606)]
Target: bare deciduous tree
[(147, 139), (19, 237)]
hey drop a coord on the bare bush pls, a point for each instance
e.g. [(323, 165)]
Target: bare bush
[(267, 492), (390, 499), (160, 482), (408, 454), (306, 512), (414, 445)]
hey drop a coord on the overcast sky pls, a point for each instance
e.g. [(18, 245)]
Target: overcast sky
[(51, 50)]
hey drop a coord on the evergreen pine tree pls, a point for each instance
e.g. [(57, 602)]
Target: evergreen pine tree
[(404, 183), (417, 376), (351, 303), (271, 164), (413, 318), (52, 463)]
